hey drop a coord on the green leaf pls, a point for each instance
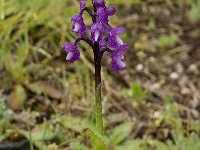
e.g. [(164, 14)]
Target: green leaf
[(97, 140), (40, 87), (41, 145), (193, 13), (40, 133), (195, 125), (76, 145), (131, 145), (86, 123), (193, 142), (120, 133), (70, 122), (160, 146), (138, 93), (168, 40), (2, 137), (17, 97)]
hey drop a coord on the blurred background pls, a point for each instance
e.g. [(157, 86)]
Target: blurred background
[(46, 102)]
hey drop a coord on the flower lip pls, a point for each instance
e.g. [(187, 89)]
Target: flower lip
[(118, 65), (114, 41), (119, 41), (77, 27), (97, 34), (73, 56), (117, 56), (72, 50)]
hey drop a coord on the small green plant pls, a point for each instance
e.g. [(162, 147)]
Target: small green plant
[(172, 117), (138, 93), (193, 13), (5, 115), (135, 93), (120, 132), (168, 41)]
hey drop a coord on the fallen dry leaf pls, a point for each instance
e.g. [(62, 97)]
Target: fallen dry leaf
[(17, 97), (41, 87)]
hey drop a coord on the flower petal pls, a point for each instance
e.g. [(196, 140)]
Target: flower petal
[(96, 35), (73, 56), (103, 44), (118, 30), (111, 10), (79, 25), (119, 40), (69, 47), (82, 5), (113, 37), (102, 14), (118, 65), (99, 3)]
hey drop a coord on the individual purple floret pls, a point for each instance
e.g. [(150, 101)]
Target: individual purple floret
[(97, 31), (72, 50), (117, 57), (102, 15), (104, 38), (110, 10), (99, 3), (117, 63), (79, 25), (113, 37)]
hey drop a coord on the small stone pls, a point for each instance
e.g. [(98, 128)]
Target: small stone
[(174, 75), (193, 68), (139, 67)]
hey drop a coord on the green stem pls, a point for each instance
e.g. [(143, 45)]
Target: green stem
[(98, 105)]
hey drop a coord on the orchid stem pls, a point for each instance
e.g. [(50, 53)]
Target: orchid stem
[(98, 104)]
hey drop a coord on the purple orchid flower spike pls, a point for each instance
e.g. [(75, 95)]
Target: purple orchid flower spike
[(103, 38)]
